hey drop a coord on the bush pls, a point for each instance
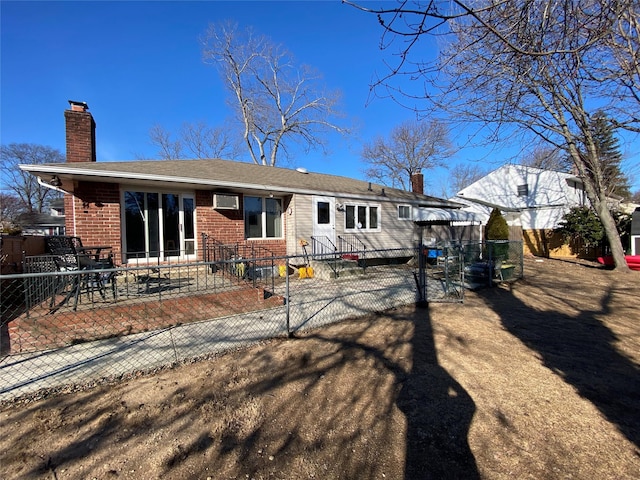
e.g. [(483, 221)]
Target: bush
[(498, 231), (581, 224), (497, 228)]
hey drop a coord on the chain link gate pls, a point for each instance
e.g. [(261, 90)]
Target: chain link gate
[(440, 274)]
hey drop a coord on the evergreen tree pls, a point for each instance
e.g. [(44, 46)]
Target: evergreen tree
[(581, 225), (497, 228), (610, 157), (497, 232)]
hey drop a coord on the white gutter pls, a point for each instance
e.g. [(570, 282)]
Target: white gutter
[(48, 185)]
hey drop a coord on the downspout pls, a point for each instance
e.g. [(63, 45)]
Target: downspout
[(57, 189), (48, 185)]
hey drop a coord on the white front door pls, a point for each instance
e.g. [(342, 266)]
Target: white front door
[(324, 224)]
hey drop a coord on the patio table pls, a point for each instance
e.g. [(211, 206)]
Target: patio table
[(93, 250)]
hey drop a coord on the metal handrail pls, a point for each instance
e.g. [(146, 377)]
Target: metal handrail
[(257, 257), (321, 245), (351, 245)]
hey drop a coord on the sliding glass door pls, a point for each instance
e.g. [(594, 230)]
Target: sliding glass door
[(159, 225)]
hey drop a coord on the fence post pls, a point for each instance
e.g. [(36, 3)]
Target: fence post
[(287, 299), (422, 276)]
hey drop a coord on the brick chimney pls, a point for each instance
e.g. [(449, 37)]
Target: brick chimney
[(81, 133), (417, 183)]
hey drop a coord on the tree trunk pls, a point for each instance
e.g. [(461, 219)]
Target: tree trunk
[(611, 231), (596, 194)]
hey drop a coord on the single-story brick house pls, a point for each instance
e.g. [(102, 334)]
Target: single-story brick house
[(157, 210)]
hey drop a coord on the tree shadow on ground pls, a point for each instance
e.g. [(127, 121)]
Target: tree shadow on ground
[(363, 399), (580, 349), (438, 412)]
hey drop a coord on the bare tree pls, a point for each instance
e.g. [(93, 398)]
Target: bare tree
[(195, 140), (533, 67), (463, 175), (412, 146), (459, 176), (10, 208), (33, 197), (547, 157), (168, 149), (207, 142), (277, 101), (623, 43)]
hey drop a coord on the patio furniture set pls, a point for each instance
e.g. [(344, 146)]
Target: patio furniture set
[(92, 266)]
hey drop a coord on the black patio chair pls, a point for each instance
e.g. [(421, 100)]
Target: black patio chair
[(69, 256)]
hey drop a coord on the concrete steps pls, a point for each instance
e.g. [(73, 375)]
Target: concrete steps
[(329, 269)]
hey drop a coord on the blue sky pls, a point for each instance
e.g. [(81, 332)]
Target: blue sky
[(138, 64)]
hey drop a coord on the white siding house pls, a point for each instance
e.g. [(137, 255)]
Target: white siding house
[(533, 198)]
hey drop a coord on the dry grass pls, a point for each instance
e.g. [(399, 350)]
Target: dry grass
[(539, 380)]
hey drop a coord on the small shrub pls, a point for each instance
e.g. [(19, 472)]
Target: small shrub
[(497, 230)]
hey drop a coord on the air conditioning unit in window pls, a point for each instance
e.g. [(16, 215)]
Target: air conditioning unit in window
[(225, 201)]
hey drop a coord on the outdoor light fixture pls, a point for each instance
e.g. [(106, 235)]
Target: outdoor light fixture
[(55, 181)]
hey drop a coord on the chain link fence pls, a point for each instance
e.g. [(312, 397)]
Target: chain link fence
[(66, 328)]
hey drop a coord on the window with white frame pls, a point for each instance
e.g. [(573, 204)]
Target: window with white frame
[(362, 217), (404, 212), (158, 224), (262, 217)]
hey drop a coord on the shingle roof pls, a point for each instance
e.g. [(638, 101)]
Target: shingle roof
[(39, 219), (232, 175)]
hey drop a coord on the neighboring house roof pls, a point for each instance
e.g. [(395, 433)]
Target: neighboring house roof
[(541, 197), (38, 220), (57, 204), (231, 176)]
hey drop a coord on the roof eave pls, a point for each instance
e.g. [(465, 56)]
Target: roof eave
[(131, 178)]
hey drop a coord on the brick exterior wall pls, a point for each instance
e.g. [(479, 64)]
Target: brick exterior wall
[(97, 215), (42, 331), (227, 226), (93, 214)]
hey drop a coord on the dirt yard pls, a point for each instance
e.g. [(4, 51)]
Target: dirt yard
[(536, 380)]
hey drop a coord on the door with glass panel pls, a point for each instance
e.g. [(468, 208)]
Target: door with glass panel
[(159, 225), (324, 227)]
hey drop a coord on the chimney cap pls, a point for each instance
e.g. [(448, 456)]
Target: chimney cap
[(78, 106)]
